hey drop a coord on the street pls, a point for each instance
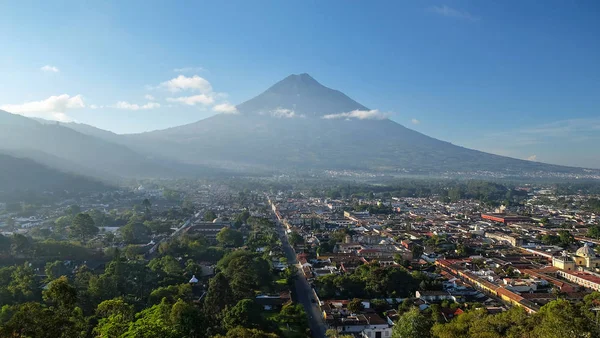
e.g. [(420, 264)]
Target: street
[(303, 290)]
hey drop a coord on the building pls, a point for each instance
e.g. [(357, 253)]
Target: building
[(208, 229), (506, 219), (513, 240), (585, 279), (584, 257)]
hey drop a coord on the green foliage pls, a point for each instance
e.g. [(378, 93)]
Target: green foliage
[(412, 324), (158, 227), (219, 297), (563, 238), (594, 231), (210, 216), (115, 316), (171, 293), (61, 295), (240, 332), (230, 238), (55, 269), (83, 227), (36, 320), (368, 281), (135, 232), (241, 218), (22, 286), (355, 305), (246, 313), (248, 273), (293, 315), (295, 239)]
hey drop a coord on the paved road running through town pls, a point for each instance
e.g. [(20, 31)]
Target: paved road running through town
[(303, 289)]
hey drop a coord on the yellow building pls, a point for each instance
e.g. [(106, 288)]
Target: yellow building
[(584, 257)]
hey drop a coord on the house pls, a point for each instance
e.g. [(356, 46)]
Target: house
[(273, 302), (435, 296)]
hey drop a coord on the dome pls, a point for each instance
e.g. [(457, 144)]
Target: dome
[(585, 251)]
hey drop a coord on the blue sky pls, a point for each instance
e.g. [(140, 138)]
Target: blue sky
[(516, 78)]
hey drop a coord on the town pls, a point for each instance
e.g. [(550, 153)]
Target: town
[(295, 261)]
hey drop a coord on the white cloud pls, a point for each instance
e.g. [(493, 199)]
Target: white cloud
[(284, 113), (532, 158), (359, 114), (54, 107), (182, 82), (415, 121), (193, 100), (50, 69), (133, 106), (225, 108), (189, 70), (94, 106), (453, 13), (149, 97)]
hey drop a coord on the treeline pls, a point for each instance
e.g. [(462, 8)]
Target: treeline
[(371, 281), (448, 190), (131, 297), (557, 319)]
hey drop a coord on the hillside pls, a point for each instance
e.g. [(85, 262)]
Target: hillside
[(25, 175), (296, 126), (289, 127), (60, 147)]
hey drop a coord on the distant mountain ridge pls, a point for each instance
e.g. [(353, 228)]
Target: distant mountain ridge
[(296, 126), (24, 175)]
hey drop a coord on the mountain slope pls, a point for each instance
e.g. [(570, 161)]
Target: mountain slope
[(258, 138), (302, 95), (20, 174), (297, 125), (86, 154)]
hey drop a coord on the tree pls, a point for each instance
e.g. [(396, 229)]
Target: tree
[(293, 316), (566, 238), (4, 244), (240, 332), (135, 232), (61, 294), (230, 238), (73, 210), (417, 251), (83, 227), (22, 285), (295, 238), (242, 218), (115, 316), (355, 305), (218, 297), (147, 205), (153, 322), (167, 265), (594, 231), (246, 313), (158, 227), (247, 273), (99, 217), (560, 318), (187, 320), (412, 324), (209, 216), (55, 269), (331, 333)]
